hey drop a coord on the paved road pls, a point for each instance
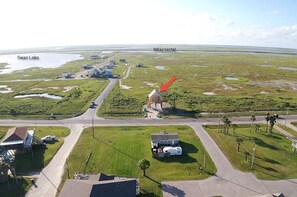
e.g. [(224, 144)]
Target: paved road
[(227, 181)]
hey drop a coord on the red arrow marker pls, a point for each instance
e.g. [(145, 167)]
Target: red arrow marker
[(165, 87)]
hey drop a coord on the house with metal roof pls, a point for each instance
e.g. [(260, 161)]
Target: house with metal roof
[(165, 144)]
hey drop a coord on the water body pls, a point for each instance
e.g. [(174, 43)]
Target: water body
[(287, 68), (160, 67), (231, 78), (45, 95), (46, 60)]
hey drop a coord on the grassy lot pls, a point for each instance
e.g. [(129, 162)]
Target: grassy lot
[(288, 129), (294, 123), (113, 155), (261, 85), (118, 104), (24, 162), (81, 94), (274, 158)]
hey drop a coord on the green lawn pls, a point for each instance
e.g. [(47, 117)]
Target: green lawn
[(24, 162), (116, 150), (288, 129), (294, 123), (274, 158), (78, 93), (261, 85)]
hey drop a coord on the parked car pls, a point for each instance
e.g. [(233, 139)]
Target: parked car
[(92, 104), (48, 138)]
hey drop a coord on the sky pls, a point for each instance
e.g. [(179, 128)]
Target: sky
[(47, 23)]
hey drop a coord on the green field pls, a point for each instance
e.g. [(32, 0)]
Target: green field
[(77, 95), (274, 158), (113, 155), (24, 163), (261, 85)]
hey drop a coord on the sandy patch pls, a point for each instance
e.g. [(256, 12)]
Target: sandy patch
[(125, 87), (4, 89), (198, 66), (263, 92), (209, 93), (55, 88), (229, 87), (68, 88), (287, 68), (38, 89), (149, 84)]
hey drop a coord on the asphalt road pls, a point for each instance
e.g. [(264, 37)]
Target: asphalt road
[(227, 181)]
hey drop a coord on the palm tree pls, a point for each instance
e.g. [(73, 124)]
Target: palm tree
[(143, 165), (227, 124), (267, 120), (234, 127), (272, 121), (239, 140), (253, 119), (256, 127)]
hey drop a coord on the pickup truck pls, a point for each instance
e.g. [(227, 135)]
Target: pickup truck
[(48, 138)]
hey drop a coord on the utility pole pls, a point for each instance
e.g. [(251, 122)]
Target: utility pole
[(93, 126), (67, 168), (286, 117), (204, 161), (219, 121), (253, 157)]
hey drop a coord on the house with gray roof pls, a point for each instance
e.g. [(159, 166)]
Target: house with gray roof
[(100, 185)]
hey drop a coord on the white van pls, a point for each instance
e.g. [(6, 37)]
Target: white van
[(172, 150)]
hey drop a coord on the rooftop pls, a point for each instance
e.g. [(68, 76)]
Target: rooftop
[(100, 185), (17, 134), (164, 136)]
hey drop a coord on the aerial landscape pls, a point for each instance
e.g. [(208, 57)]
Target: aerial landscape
[(192, 99)]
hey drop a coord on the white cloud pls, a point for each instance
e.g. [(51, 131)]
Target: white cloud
[(35, 23), (229, 23), (275, 12)]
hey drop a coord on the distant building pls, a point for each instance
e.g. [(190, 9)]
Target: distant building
[(95, 57), (155, 97), (101, 72), (100, 185), (139, 65), (87, 67), (66, 75)]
